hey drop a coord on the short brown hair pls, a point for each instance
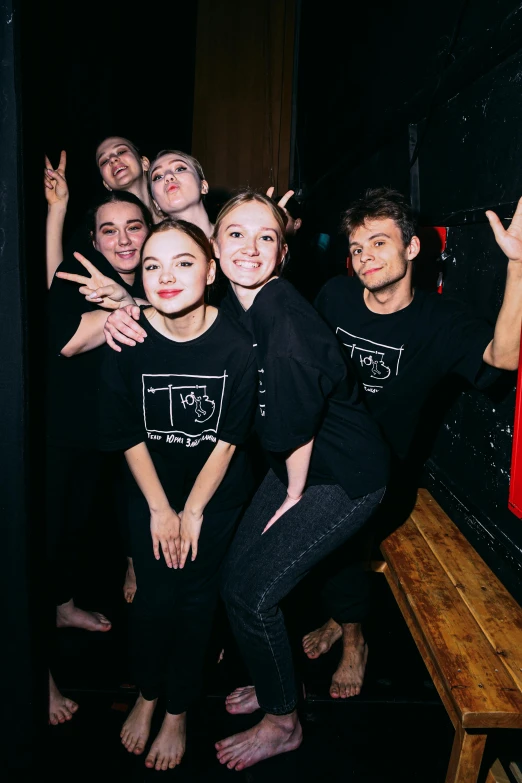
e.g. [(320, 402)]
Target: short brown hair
[(379, 204), (192, 231)]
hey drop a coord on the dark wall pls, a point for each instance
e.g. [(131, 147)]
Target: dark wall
[(456, 75), (99, 69)]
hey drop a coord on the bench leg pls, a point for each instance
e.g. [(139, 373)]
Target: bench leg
[(466, 756)]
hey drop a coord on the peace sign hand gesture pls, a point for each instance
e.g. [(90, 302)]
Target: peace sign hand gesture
[(509, 240), (98, 288), (55, 184), (283, 201)]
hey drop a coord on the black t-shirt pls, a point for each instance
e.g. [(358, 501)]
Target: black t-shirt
[(180, 398), (307, 389), (401, 356), (72, 383)]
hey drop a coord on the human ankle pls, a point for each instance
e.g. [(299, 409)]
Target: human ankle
[(175, 717), (352, 634), (286, 722)]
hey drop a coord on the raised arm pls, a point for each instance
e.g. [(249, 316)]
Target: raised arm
[(210, 477), (98, 289), (164, 522), (503, 351), (57, 196)]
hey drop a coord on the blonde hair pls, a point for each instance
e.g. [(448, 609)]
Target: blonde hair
[(246, 197), (184, 156)]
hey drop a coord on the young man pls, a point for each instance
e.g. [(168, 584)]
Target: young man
[(404, 342)]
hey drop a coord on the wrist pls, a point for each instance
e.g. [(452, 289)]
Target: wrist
[(514, 267), (157, 509), (128, 300), (58, 207), (193, 511), (294, 495)]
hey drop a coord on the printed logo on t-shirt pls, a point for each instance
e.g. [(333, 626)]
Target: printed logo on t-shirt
[(183, 407), (377, 362)]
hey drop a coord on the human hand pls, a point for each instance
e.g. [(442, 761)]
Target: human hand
[(509, 240), (287, 504), (98, 288), (283, 201), (165, 530), (121, 325), (190, 530), (55, 185)]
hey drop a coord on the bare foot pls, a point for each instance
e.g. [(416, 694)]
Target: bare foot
[(136, 729), (69, 616), (60, 708), (348, 679), (318, 642), (129, 585), (242, 701), (169, 746), (275, 734)]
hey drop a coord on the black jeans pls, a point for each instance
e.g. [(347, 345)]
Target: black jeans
[(346, 579), (261, 570), (343, 579), (173, 609)]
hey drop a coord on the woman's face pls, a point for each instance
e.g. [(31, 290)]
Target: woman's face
[(118, 163), (176, 272), (175, 184), (120, 233), (248, 243)]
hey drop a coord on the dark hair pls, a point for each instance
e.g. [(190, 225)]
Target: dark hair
[(115, 197), (192, 231), (379, 204)]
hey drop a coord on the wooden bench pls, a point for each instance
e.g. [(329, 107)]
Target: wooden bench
[(467, 627)]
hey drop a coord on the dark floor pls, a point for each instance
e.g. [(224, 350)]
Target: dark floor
[(396, 729)]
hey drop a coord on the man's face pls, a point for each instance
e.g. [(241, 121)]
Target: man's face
[(379, 257)]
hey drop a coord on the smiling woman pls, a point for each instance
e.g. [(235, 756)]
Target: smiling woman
[(73, 460), (328, 467), (179, 405), (123, 168)]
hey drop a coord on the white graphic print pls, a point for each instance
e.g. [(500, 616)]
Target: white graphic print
[(262, 406), (184, 404), (377, 362)]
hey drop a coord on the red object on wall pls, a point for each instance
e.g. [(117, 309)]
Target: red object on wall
[(349, 266), (515, 482)]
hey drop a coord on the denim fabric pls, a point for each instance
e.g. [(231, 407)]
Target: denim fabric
[(260, 570)]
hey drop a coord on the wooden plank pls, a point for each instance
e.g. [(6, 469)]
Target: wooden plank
[(483, 695), (497, 774), (466, 757), (516, 771), (418, 638), (492, 606)]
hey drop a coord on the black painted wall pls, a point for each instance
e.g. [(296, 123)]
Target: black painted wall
[(455, 73)]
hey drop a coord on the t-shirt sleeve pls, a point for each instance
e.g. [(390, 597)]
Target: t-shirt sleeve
[(121, 422), (466, 340), (65, 307), (292, 402), (240, 412)]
